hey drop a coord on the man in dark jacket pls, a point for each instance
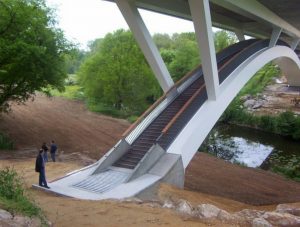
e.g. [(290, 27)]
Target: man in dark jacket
[(40, 167), (45, 154), (53, 149)]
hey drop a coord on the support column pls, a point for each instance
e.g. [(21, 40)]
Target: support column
[(275, 36), (144, 39), (239, 34), (203, 28), (295, 43)]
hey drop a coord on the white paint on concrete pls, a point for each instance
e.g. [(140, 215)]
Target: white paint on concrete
[(194, 133), (258, 12), (144, 39), (239, 34), (275, 36), (203, 28), (295, 43)]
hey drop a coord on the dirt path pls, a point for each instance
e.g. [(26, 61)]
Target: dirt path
[(85, 136)]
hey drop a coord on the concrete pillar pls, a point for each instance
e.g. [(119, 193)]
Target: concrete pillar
[(144, 39), (203, 28), (239, 34), (275, 36), (295, 43)]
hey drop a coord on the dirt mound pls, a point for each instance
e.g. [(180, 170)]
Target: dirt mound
[(68, 122), (85, 134)]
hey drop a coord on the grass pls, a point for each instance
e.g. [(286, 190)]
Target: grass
[(289, 172), (71, 92), (5, 142), (14, 197)]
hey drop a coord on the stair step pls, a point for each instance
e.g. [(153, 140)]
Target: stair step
[(124, 166)]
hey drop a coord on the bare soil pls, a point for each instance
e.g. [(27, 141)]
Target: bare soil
[(279, 98), (84, 137)]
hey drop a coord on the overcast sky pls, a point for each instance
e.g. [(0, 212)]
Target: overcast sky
[(85, 20)]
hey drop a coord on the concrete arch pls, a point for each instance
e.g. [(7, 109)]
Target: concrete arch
[(194, 133)]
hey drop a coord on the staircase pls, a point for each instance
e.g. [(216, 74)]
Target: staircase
[(153, 133)]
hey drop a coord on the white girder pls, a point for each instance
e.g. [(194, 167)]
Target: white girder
[(255, 10), (239, 34), (144, 39), (275, 36), (202, 23), (194, 133), (295, 43)]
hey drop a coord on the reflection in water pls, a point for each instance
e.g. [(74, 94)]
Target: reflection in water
[(251, 147)]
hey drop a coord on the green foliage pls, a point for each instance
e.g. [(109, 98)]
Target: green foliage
[(5, 142), (73, 60), (31, 51), (260, 80), (116, 76), (13, 196), (163, 41), (289, 172), (223, 39), (268, 123), (70, 92), (186, 55)]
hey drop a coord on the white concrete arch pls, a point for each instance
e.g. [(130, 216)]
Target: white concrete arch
[(194, 133)]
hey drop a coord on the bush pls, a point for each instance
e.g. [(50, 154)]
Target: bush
[(290, 172), (5, 142), (286, 123), (268, 123), (13, 196)]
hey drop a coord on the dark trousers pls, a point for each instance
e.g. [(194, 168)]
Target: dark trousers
[(52, 156), (42, 178)]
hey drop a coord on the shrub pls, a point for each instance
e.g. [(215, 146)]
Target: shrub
[(290, 172), (13, 195), (286, 123), (5, 142), (268, 123)]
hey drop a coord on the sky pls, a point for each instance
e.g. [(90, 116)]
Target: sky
[(86, 20)]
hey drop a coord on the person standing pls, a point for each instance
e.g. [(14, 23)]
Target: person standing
[(53, 149), (45, 154), (40, 168)]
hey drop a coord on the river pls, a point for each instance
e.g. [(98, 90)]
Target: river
[(252, 148)]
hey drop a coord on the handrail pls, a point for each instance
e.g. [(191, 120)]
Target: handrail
[(186, 105), (153, 106), (186, 76), (158, 101), (237, 54), (182, 109)]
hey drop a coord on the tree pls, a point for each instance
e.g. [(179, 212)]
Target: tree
[(186, 55), (73, 60), (31, 51), (223, 39), (117, 74)]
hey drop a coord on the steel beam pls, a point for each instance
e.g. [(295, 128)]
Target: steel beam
[(203, 28), (275, 36), (144, 39), (295, 43), (256, 11), (239, 34)]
